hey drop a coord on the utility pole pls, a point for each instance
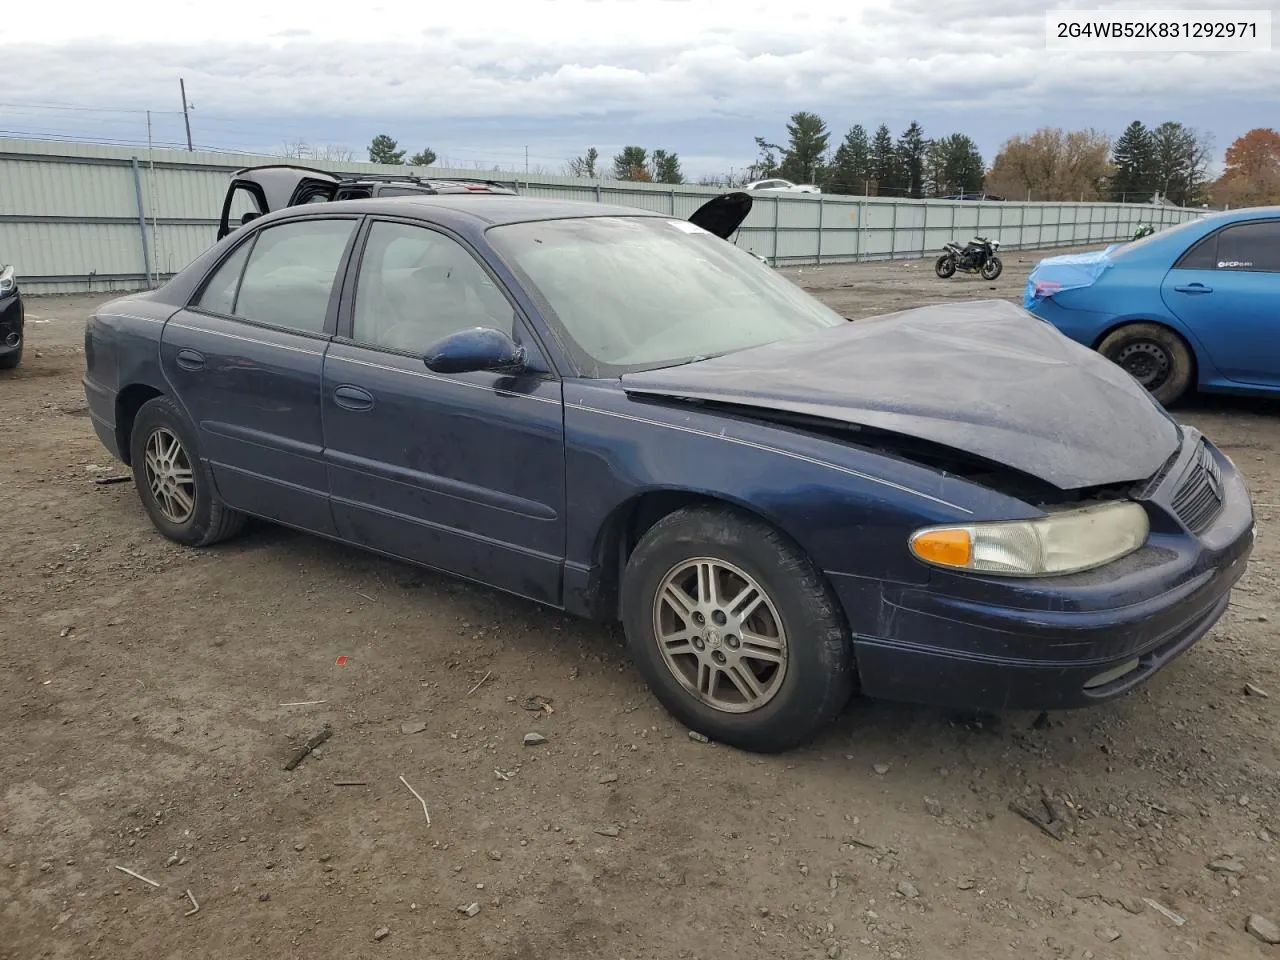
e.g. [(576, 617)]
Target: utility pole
[(186, 117), (526, 158)]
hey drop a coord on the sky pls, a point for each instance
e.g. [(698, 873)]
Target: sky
[(488, 82)]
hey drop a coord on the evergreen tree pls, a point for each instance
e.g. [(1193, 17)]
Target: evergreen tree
[(385, 150), (804, 157), (666, 167), (962, 165), (851, 168), (911, 150), (1134, 160), (884, 162), (631, 164)]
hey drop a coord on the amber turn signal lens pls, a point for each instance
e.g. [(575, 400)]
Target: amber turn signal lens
[(948, 548)]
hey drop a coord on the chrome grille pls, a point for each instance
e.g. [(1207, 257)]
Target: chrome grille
[(1198, 498)]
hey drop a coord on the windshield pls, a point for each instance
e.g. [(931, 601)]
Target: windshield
[(637, 293)]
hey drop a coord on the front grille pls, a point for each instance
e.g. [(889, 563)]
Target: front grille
[(1198, 499)]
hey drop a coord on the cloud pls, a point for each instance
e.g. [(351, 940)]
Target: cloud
[(654, 61)]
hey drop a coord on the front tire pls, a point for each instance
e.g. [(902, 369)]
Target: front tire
[(735, 630), (945, 266), (1153, 355), (174, 484), (991, 269)]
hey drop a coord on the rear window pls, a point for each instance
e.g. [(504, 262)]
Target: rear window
[(1125, 249)]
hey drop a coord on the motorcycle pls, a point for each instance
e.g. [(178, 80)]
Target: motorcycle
[(976, 256), (1144, 230)]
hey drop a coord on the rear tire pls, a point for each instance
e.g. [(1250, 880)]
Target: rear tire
[(945, 266), (174, 484), (766, 673), (1153, 355), (991, 269)]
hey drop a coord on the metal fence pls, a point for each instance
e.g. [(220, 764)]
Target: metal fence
[(78, 218)]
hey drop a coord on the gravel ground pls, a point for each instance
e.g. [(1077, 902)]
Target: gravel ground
[(151, 695)]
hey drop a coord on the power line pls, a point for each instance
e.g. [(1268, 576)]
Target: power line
[(32, 105)]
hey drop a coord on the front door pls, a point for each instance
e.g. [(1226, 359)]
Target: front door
[(463, 473), (1226, 289), (246, 358)]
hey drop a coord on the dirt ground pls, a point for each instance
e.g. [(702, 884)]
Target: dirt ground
[(150, 696)]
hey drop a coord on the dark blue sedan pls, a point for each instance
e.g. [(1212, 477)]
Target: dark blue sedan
[(621, 415), (1197, 305)]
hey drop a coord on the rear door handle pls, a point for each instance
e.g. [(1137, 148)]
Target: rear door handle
[(353, 398), (1194, 288), (190, 360)]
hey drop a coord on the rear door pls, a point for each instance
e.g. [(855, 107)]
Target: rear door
[(464, 472), (245, 360), (1226, 289)]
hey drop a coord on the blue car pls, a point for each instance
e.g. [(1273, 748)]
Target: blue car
[(1195, 305), (618, 414)]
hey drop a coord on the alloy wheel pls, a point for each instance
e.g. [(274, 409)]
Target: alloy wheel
[(170, 476), (720, 635)]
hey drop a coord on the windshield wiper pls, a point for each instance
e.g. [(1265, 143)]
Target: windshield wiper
[(701, 357)]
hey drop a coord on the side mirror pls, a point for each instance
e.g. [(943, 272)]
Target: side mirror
[(250, 215), (480, 348)]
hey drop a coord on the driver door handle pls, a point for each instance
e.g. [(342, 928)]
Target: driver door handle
[(1194, 288), (352, 398)]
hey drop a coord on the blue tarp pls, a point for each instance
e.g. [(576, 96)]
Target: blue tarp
[(1067, 272)]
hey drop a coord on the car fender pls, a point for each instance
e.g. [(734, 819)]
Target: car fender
[(850, 509), (122, 351), (1205, 369)]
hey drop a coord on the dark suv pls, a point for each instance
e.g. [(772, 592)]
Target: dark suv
[(254, 191), (12, 319)]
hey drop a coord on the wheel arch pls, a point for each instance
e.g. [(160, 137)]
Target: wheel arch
[(129, 401), (628, 522)]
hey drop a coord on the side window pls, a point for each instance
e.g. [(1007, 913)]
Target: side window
[(219, 294), (1203, 254), (291, 272), (1252, 247), (416, 286), (244, 201)]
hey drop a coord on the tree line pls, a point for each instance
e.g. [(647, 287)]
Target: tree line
[(632, 163), (1168, 161)]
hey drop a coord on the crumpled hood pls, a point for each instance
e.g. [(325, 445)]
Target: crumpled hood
[(983, 376)]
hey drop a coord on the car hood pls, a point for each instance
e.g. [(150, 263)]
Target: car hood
[(982, 377), (723, 215)]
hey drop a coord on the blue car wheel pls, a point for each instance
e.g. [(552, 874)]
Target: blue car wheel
[(1153, 355)]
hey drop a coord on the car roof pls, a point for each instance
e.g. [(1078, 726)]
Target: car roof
[(487, 209), (1242, 213)]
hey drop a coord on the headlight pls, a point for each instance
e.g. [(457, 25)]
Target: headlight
[(1064, 542), (6, 285)]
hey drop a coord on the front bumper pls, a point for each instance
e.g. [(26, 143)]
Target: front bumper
[(990, 643), (12, 323)]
